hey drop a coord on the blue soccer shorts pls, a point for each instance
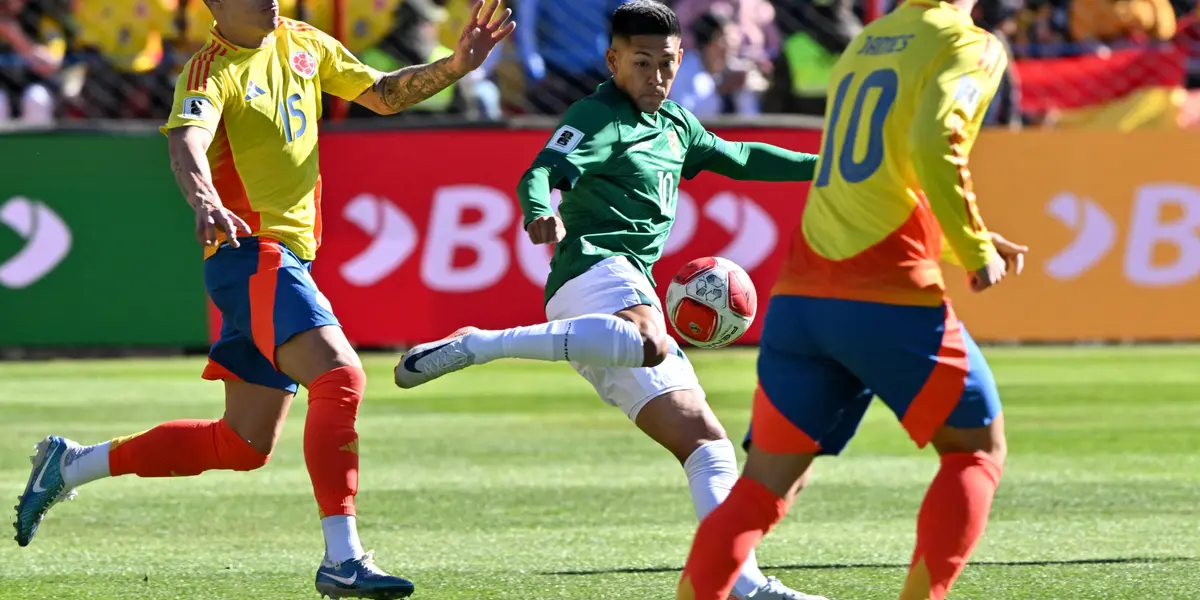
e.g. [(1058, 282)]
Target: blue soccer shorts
[(266, 295), (821, 361)]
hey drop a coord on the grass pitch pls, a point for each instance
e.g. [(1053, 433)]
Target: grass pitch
[(513, 481)]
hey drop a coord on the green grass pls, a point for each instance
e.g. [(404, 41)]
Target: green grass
[(514, 481)]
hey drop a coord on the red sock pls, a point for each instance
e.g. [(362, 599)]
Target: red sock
[(181, 449), (951, 521), (725, 539), (330, 442)]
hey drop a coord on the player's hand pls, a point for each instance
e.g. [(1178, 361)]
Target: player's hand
[(546, 230), (1010, 258), (480, 36), (211, 217), (1013, 254)]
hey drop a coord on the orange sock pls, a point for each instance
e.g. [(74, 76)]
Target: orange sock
[(330, 442), (725, 539), (183, 448), (951, 521)]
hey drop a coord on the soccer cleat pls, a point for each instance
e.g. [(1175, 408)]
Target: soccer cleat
[(427, 362), (46, 486), (774, 589), (360, 578)]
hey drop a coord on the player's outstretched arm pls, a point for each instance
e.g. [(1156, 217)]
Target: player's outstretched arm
[(756, 161), (407, 87), (188, 147)]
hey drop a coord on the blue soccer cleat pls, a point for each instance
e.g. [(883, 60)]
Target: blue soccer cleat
[(360, 578), (46, 486)]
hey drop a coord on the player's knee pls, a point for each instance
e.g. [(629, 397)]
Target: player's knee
[(656, 345), (255, 459)]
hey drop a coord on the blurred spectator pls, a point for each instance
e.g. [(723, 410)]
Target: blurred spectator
[(816, 33), (712, 80), (32, 47), (757, 36), (367, 23), (1042, 29), (1000, 18), (1109, 21), (483, 92), (412, 39), (123, 42), (562, 50)]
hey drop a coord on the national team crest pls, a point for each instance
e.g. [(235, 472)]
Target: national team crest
[(304, 64), (673, 139)]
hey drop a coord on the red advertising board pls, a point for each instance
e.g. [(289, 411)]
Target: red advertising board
[(423, 232)]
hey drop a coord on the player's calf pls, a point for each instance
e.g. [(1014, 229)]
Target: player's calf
[(597, 340)]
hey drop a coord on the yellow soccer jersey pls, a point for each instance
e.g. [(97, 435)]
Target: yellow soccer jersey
[(262, 107), (906, 101)]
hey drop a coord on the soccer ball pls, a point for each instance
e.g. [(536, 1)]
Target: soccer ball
[(711, 302)]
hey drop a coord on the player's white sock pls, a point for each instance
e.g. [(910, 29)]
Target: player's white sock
[(86, 464), (341, 538), (600, 340), (711, 472)]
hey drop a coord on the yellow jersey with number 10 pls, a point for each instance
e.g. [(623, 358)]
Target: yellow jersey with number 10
[(262, 106), (906, 101)]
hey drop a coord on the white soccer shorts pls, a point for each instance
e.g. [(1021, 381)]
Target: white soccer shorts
[(610, 286)]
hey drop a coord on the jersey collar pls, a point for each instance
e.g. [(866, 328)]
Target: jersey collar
[(229, 46), (928, 4)]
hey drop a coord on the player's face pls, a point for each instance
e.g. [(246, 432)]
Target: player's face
[(644, 67), (259, 15)]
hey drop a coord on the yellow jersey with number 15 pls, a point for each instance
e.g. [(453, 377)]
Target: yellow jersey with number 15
[(262, 106), (906, 101)]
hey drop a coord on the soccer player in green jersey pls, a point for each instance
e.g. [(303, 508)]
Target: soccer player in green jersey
[(618, 156)]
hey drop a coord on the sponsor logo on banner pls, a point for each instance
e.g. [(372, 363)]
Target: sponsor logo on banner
[(46, 242)]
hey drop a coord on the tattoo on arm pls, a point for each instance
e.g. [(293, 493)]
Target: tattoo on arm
[(412, 85)]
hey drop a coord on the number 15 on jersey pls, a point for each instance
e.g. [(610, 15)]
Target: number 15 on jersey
[(885, 84)]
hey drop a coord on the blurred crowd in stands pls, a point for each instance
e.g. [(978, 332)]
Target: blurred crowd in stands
[(118, 59)]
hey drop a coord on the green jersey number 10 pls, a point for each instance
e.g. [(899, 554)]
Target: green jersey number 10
[(668, 192)]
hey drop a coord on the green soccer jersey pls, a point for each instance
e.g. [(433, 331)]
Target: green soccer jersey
[(619, 169)]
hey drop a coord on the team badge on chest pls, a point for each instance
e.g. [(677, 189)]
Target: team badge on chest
[(304, 64), (673, 140)]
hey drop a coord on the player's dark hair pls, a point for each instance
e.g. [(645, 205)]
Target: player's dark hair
[(643, 17), (708, 27)]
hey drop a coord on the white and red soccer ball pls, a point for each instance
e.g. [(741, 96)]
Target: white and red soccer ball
[(711, 302)]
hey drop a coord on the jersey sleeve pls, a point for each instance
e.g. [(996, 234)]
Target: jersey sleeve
[(342, 74), (199, 97), (947, 120), (582, 143), (702, 146)]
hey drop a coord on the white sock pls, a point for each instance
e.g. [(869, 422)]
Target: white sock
[(85, 465), (599, 340), (341, 538), (711, 472)]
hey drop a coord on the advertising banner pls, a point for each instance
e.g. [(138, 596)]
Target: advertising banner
[(1113, 225), (96, 245), (423, 232)]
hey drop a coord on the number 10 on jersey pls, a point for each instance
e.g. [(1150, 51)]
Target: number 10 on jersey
[(852, 169)]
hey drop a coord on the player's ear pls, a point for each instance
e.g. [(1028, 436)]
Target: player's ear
[(610, 57)]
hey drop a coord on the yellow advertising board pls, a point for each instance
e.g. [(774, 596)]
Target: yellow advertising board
[(1113, 225)]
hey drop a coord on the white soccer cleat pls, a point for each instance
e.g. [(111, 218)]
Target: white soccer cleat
[(774, 589), (431, 360)]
